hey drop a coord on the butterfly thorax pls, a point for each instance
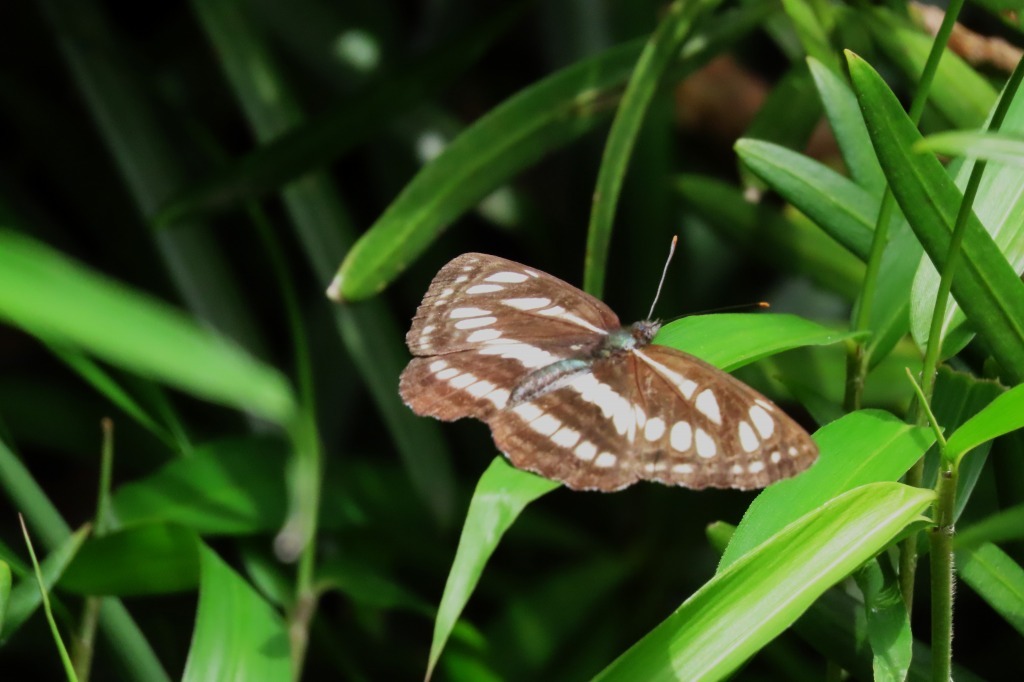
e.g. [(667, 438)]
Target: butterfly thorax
[(556, 375)]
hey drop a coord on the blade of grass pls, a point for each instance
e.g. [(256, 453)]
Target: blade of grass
[(997, 579), (238, 636), (501, 494), (743, 608), (26, 597), (536, 121), (659, 52), (69, 669), (315, 144), (863, 447), (152, 169), (989, 290), (131, 330), (133, 650), (325, 230)]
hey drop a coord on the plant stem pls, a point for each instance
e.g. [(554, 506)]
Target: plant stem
[(941, 541)]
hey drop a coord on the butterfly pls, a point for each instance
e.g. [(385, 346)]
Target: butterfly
[(573, 395)]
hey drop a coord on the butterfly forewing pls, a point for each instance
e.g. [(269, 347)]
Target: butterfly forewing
[(625, 410), (478, 300)]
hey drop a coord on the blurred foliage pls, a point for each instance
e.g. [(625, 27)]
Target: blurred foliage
[(182, 183)]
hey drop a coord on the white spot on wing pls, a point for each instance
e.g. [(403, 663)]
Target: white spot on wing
[(474, 322), (605, 460), (528, 411), (705, 444), (562, 314), (437, 365), (763, 421), (682, 384), (527, 303), (480, 389), (612, 405), (708, 406), (748, 439), (446, 374), (682, 469), (546, 425), (566, 437), (459, 313), (585, 451), (481, 335), (654, 429), (507, 277), (484, 289), (756, 467), (681, 436), (463, 380), (776, 457), (499, 397), (428, 329), (528, 356)]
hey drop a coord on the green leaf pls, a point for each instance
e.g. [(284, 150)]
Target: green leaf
[(25, 598), (659, 52), (545, 116), (847, 124), (230, 487), (320, 141), (962, 95), (797, 246), (55, 298), (844, 210), (985, 284), (501, 494), (1002, 415), (997, 579), (238, 636), (747, 605), (5, 592), (730, 341), (814, 36), (151, 559), (999, 146), (863, 447), (1004, 526), (888, 623), (999, 205)]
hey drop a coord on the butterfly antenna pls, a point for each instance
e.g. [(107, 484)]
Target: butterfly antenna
[(671, 252)]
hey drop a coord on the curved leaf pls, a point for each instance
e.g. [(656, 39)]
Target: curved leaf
[(730, 341), (238, 636), (501, 494), (747, 605), (868, 446), (513, 135), (55, 298), (1002, 415), (659, 52), (985, 285)]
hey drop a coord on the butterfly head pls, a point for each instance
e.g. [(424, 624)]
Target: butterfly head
[(644, 331)]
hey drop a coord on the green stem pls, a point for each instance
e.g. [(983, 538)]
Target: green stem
[(83, 643), (941, 540), (908, 549)]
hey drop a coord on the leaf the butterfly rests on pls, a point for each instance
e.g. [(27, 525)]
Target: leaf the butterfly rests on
[(571, 394)]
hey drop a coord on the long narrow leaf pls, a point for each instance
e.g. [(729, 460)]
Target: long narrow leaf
[(986, 286), (746, 606), (997, 578), (513, 135), (863, 447), (659, 52), (49, 295), (501, 494)]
